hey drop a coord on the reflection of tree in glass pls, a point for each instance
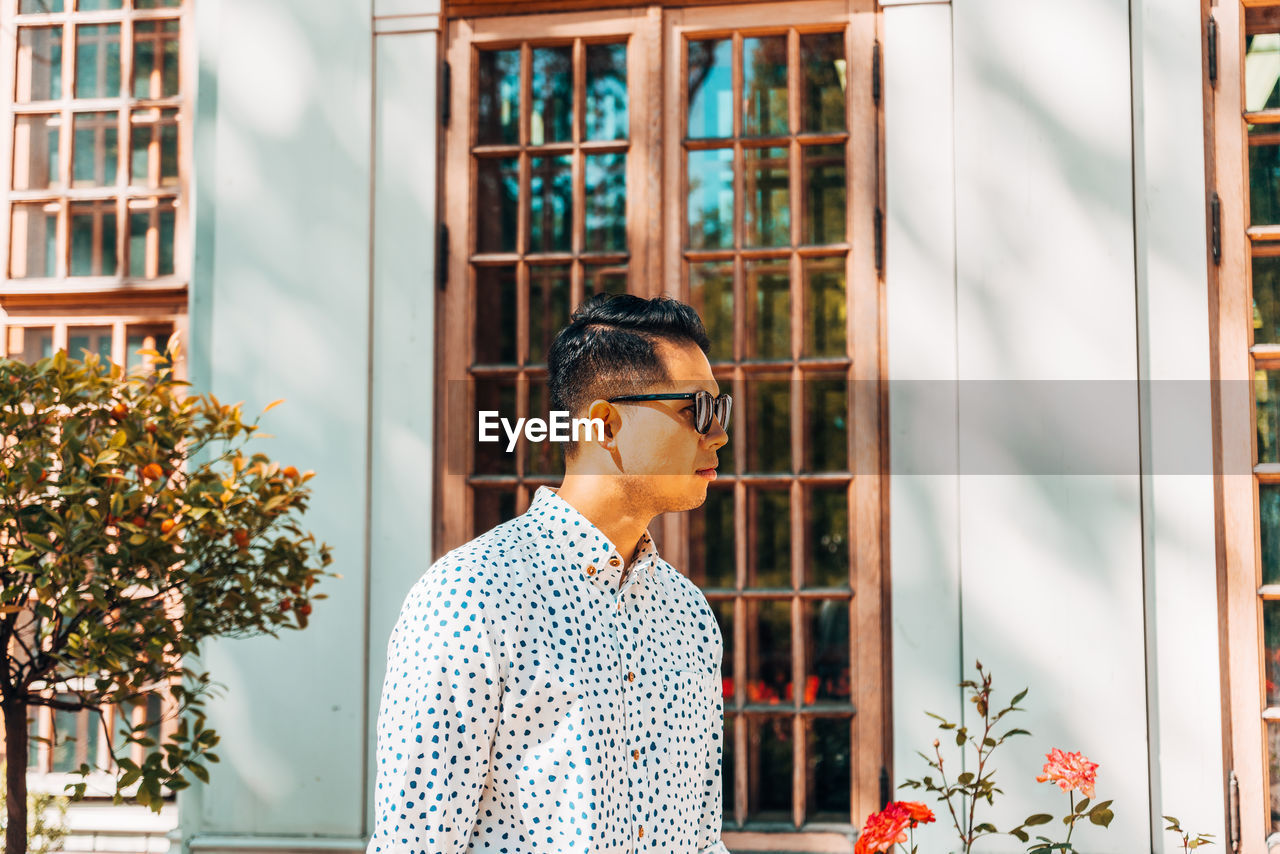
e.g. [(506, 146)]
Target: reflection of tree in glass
[(765, 84), (606, 201), (607, 91)]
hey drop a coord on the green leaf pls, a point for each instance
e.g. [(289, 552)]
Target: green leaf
[(1018, 697), (200, 772), (965, 779), (1102, 818), (1038, 818)]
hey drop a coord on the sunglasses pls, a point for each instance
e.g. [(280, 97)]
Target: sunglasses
[(705, 406)]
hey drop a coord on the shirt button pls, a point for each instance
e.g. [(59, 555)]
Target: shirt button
[(613, 561), (631, 677), (591, 570), (641, 833), (635, 754)]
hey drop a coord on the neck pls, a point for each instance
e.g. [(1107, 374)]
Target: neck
[(601, 500)]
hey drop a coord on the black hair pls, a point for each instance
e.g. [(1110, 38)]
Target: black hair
[(608, 348)]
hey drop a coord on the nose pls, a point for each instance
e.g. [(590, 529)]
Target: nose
[(716, 436)]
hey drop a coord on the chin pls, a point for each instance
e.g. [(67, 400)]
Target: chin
[(690, 499)]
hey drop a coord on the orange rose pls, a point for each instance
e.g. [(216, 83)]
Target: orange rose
[(883, 830), (1070, 771)]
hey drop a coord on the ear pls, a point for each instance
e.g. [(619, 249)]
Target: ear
[(612, 418)]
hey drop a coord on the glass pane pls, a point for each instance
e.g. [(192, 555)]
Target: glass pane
[(1266, 410), (95, 151), (1264, 174), (548, 309), (82, 340), (542, 458), (550, 204), (36, 143), (1269, 531), (492, 507), (827, 536), (39, 76), (710, 88), (93, 239), (552, 118), (769, 551), (495, 316), (497, 192), (824, 194), (495, 395), (29, 344), (767, 217), (827, 637), (1271, 643), (1261, 71), (154, 144), (764, 84), (607, 91), (830, 782), (768, 309), (33, 242), (98, 61), (155, 59), (498, 113), (769, 768), (826, 410), (152, 336), (605, 278), (156, 4), (606, 203), (711, 199), (711, 294), (711, 541), (769, 651), (98, 5), (824, 77), (151, 236), (66, 737), (767, 420), (723, 609), (33, 733), (38, 7), (824, 307), (1273, 773)]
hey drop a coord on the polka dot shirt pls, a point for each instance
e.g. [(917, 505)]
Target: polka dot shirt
[(537, 701)]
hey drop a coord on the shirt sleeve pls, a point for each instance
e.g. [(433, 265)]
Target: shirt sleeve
[(437, 717), (713, 794), (712, 817)]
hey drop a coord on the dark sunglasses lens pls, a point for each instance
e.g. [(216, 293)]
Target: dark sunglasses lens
[(724, 406), (702, 412)]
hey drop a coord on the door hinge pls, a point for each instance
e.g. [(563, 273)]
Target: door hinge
[(1215, 227), (442, 257), (884, 786), (446, 94), (879, 223), (875, 73), (1233, 812), (1211, 48)]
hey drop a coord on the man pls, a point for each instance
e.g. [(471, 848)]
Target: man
[(554, 685)]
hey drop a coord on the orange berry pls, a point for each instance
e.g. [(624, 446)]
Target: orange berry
[(119, 411), (304, 609), (138, 521), (151, 427), (151, 471), (168, 525), (291, 473), (241, 538), (286, 604)]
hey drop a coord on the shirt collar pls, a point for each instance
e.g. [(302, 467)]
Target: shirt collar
[(585, 548)]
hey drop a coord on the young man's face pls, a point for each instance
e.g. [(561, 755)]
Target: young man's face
[(666, 461)]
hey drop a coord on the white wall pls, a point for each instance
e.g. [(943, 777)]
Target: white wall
[(1020, 525), (288, 306)]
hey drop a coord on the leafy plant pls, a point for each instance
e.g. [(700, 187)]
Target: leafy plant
[(1188, 841), (44, 832), (134, 526)]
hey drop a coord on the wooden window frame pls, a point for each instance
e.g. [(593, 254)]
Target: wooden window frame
[(124, 190), (1233, 361), (658, 266)]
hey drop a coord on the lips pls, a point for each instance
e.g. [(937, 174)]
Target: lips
[(708, 473)]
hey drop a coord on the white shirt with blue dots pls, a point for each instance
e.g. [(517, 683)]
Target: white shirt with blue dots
[(535, 701)]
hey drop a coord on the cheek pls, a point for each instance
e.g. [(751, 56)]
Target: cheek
[(658, 445)]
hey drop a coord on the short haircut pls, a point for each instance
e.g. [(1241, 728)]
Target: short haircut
[(608, 349)]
